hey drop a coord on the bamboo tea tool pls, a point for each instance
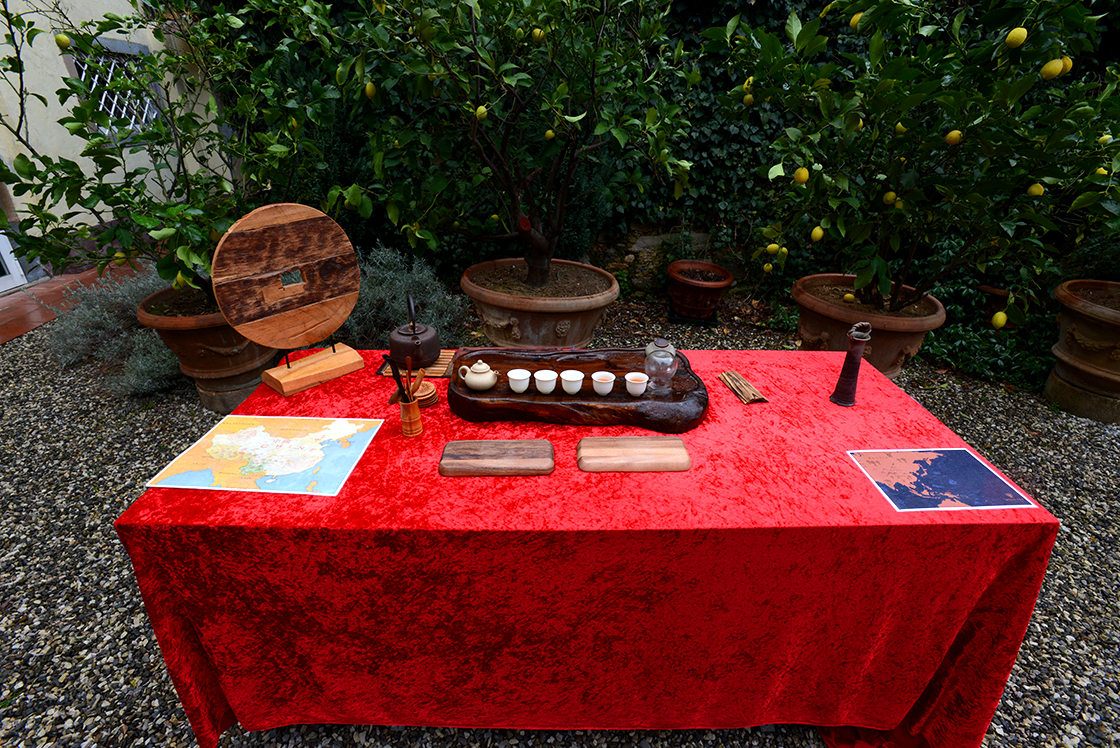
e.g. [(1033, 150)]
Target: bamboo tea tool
[(286, 276), (743, 389)]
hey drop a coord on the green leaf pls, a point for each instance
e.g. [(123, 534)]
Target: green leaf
[(160, 234), (793, 27), (1085, 199), (776, 171), (876, 48), (394, 213), (729, 29), (576, 118)]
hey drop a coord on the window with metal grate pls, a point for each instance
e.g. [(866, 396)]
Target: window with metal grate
[(111, 78)]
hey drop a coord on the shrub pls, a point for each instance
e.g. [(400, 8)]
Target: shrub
[(101, 327), (387, 280)]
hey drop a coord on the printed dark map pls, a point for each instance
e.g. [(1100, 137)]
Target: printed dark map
[(930, 479)]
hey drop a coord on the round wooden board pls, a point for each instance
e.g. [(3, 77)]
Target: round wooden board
[(293, 244)]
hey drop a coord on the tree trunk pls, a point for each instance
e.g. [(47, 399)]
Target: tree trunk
[(538, 257)]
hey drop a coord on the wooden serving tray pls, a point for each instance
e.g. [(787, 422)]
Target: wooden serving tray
[(674, 412), (497, 457), (632, 454)]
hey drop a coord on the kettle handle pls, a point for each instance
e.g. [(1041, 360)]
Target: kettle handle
[(463, 371), (411, 312)]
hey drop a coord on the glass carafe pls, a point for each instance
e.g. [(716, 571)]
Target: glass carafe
[(660, 366)]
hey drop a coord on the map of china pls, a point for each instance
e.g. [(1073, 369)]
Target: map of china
[(298, 455)]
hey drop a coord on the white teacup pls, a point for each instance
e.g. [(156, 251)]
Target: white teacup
[(603, 382), (572, 380), (546, 380), (636, 383), (519, 379)]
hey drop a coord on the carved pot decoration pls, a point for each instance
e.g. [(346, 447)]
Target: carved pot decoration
[(823, 326), (1086, 376), (225, 365), (537, 322)]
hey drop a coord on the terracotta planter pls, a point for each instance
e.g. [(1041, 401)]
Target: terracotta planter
[(696, 299), (532, 322), (824, 326), (1086, 377), (225, 365)]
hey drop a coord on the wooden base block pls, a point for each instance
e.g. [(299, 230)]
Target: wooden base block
[(497, 457), (632, 454), (315, 369)]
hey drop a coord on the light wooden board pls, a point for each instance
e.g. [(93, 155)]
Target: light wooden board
[(632, 454), (497, 457), (314, 369), (441, 368), (256, 262)]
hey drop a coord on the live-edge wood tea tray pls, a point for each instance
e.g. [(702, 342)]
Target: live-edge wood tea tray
[(681, 408)]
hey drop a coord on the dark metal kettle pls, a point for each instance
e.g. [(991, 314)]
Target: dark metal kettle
[(419, 342)]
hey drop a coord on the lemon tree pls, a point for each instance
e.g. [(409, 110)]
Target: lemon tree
[(500, 105), (922, 152), (163, 188)]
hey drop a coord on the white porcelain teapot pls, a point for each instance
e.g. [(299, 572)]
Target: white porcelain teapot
[(479, 377)]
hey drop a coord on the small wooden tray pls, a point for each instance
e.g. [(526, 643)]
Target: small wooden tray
[(682, 408), (497, 457), (632, 454)]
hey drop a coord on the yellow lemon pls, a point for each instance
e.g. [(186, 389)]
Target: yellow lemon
[(850, 298), (180, 282), (481, 113), (889, 198), (538, 35), (748, 83), (519, 34), (999, 319), (801, 176), (1102, 171), (783, 252), (855, 20), (767, 268), (899, 129), (1051, 70), (1016, 37), (1035, 190), (370, 90), (772, 249), (817, 234), (860, 125), (549, 134), (62, 40), (494, 217), (1067, 65), (120, 258), (1104, 139), (953, 137), (899, 204), (748, 99)]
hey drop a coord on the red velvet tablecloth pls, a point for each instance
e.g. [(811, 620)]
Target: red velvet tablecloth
[(771, 583)]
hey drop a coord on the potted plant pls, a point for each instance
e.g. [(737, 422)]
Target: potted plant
[(1085, 380), (480, 122), (961, 139), (158, 178)]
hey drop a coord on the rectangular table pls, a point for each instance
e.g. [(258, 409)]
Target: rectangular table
[(771, 583)]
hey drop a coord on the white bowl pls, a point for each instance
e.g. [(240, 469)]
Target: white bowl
[(546, 381), (603, 382), (636, 382), (519, 379)]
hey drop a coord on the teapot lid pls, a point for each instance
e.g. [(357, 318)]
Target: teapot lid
[(479, 367), (661, 344)]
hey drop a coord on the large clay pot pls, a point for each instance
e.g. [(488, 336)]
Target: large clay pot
[(692, 298), (823, 326), (533, 322), (225, 365), (1086, 377)]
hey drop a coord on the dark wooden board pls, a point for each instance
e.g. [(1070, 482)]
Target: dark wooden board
[(260, 250), (675, 412), (497, 457), (632, 454)]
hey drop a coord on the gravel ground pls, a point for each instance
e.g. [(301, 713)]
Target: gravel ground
[(80, 665)]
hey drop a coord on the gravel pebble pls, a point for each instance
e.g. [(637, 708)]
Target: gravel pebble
[(81, 667)]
